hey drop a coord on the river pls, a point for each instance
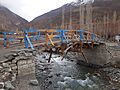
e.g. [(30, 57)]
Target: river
[(66, 75)]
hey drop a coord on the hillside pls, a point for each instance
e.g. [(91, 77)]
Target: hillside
[(105, 18), (10, 21), (49, 19), (53, 18)]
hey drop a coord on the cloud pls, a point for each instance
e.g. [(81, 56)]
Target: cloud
[(12, 4), (29, 9)]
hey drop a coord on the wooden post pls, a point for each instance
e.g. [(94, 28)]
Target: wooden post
[(50, 55)]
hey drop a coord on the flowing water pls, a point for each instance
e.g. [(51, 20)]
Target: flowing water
[(65, 75)]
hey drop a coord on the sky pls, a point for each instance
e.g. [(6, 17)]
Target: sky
[(29, 9)]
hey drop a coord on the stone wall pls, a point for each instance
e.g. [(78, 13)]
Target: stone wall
[(16, 63)]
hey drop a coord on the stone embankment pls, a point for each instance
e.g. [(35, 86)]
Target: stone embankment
[(16, 63), (113, 71)]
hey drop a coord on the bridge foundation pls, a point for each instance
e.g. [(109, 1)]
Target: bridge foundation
[(101, 55)]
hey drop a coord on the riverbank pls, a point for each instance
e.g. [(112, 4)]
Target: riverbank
[(23, 83), (19, 66), (67, 74), (16, 63)]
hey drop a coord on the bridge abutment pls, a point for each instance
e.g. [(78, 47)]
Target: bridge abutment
[(101, 55)]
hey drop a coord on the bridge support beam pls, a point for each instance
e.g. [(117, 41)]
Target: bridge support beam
[(5, 39), (27, 41)]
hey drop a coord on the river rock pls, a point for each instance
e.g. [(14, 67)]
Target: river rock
[(3, 60), (1, 68), (7, 69), (14, 71), (61, 84), (28, 54), (58, 74), (14, 68), (50, 75), (43, 56), (14, 54), (14, 61), (21, 53), (34, 82), (6, 65), (34, 53), (9, 86), (21, 58), (10, 58), (13, 65), (50, 82), (2, 85), (42, 61), (13, 77)]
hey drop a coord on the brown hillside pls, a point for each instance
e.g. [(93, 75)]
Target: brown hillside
[(10, 21), (110, 9)]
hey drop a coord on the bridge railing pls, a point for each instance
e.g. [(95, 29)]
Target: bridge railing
[(35, 37), (11, 39), (1, 39)]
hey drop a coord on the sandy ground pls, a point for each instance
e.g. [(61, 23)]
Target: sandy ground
[(22, 83), (4, 51)]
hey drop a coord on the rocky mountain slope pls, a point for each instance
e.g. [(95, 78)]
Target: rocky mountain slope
[(53, 19), (49, 19), (9, 21)]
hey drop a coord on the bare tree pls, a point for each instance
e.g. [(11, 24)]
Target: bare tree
[(63, 17)]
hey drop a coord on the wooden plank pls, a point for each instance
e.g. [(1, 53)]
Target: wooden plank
[(1, 36)]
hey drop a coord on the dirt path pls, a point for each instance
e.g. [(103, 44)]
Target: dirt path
[(22, 83), (4, 51)]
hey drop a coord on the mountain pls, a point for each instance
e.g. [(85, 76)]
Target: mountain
[(105, 18), (50, 19), (53, 19), (107, 4), (9, 21)]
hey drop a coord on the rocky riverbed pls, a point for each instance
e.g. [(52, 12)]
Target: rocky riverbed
[(20, 68), (68, 75)]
